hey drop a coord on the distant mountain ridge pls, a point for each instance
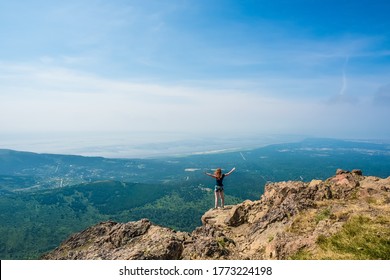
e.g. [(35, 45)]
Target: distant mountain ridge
[(346, 216), (44, 198), (273, 162)]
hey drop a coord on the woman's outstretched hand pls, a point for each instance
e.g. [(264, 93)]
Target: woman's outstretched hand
[(230, 171)]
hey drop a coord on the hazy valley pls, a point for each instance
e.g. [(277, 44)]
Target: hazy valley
[(44, 197)]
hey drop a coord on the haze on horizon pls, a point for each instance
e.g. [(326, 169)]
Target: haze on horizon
[(191, 69)]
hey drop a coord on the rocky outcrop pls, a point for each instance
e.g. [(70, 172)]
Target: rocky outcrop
[(139, 240), (289, 217)]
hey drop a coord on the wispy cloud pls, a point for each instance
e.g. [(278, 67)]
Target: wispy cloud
[(184, 66), (60, 99), (343, 96)]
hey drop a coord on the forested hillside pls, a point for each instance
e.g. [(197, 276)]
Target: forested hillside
[(45, 198)]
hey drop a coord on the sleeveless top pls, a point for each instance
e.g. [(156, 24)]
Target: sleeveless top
[(219, 181)]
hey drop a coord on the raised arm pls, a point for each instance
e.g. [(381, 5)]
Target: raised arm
[(230, 172), (211, 175)]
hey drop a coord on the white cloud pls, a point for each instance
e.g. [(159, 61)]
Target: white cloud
[(43, 98), (47, 99)]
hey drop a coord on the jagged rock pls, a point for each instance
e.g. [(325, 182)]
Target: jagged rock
[(341, 171), (343, 185), (207, 242), (357, 172), (315, 183), (216, 216), (290, 217), (111, 240), (238, 215)]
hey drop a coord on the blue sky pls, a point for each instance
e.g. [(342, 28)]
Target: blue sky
[(195, 68)]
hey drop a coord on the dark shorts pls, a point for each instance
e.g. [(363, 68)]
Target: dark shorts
[(218, 189)]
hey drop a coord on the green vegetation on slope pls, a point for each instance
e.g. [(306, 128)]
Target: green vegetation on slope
[(34, 223), (361, 238), (45, 198)]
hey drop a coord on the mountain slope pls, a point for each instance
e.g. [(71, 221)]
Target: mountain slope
[(346, 216), (46, 198)]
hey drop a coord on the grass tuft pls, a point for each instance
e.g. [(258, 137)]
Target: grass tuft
[(361, 238), (323, 215)]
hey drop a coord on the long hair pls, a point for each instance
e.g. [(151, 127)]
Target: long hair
[(218, 173)]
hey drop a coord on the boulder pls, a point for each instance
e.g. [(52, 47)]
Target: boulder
[(110, 240)]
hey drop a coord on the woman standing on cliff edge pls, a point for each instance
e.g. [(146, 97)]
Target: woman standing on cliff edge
[(219, 185)]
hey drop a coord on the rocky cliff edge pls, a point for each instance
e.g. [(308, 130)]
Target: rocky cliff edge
[(344, 217)]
